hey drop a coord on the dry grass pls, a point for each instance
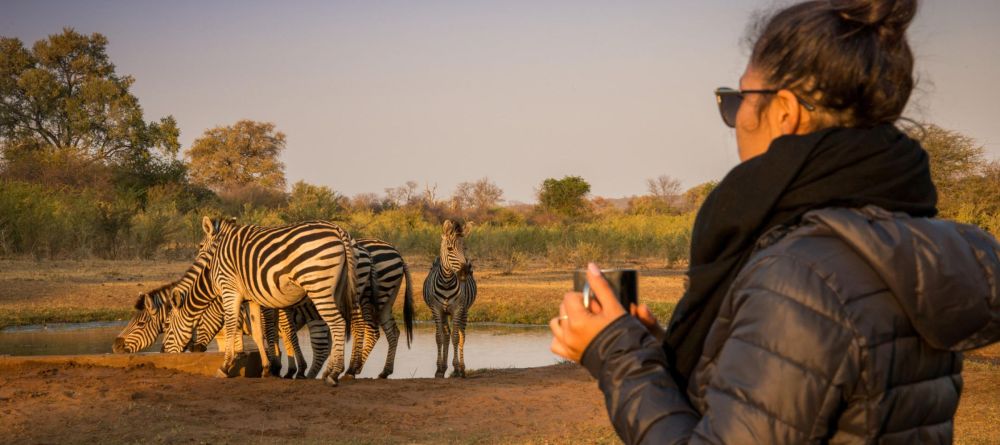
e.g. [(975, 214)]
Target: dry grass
[(36, 292)]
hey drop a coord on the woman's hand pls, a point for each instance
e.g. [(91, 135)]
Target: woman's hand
[(648, 320), (576, 326)]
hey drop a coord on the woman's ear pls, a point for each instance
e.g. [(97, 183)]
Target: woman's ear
[(786, 114)]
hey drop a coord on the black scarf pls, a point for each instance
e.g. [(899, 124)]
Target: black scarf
[(842, 167)]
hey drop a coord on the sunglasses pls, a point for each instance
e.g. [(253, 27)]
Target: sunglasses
[(729, 101)]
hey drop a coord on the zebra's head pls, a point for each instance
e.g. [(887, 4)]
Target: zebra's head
[(146, 323), (453, 258), (190, 297), (213, 228)]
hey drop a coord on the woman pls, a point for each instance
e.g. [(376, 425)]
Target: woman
[(825, 305)]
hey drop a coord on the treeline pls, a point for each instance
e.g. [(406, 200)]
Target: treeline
[(82, 174)]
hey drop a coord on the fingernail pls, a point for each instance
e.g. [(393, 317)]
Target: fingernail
[(593, 269)]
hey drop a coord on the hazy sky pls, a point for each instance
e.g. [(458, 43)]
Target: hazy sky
[(374, 93)]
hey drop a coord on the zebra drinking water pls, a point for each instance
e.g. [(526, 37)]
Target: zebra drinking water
[(449, 291), (276, 267)]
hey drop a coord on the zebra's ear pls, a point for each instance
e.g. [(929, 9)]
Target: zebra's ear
[(448, 227), (207, 225), (148, 304), (176, 298)]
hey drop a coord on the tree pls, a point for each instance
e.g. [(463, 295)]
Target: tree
[(566, 196), (953, 157), (663, 187), (480, 196), (64, 94), (237, 156), (695, 196), (403, 195), (309, 201), (968, 185)]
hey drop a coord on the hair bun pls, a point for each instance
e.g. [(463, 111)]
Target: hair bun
[(889, 17)]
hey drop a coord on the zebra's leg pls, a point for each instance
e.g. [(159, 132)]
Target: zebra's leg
[(259, 331), (289, 335), (392, 336), (231, 303), (443, 333), (458, 340), (335, 323), (270, 317), (359, 332), (319, 339), (371, 330)]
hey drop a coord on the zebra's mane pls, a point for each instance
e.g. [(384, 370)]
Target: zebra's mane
[(140, 303)]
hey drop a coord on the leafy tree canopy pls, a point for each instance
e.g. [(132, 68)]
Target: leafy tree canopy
[(63, 93), (243, 154), (566, 196)]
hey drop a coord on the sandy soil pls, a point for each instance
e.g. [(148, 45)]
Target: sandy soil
[(74, 402), (171, 399)]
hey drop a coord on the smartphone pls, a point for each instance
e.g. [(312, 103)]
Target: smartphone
[(624, 283)]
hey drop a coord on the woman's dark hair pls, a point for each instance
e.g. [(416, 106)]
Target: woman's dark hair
[(848, 57)]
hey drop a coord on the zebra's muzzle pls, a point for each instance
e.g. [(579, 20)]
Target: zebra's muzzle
[(119, 346)]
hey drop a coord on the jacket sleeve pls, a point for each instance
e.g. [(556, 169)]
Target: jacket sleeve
[(775, 370)]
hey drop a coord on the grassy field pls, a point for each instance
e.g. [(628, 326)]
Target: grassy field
[(38, 292)]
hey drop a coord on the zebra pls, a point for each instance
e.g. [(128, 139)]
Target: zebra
[(202, 308), (449, 291), (389, 273), (146, 323), (392, 271), (275, 267)]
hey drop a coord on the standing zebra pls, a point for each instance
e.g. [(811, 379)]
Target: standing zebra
[(276, 267), (390, 271), (449, 291)]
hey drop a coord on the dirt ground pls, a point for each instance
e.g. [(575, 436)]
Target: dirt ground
[(77, 400), (73, 402), (145, 399)]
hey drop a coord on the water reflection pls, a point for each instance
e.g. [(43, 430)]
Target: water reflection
[(486, 346)]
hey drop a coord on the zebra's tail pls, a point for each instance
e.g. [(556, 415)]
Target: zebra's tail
[(348, 297), (408, 306)]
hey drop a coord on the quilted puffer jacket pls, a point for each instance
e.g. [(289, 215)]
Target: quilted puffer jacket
[(845, 329)]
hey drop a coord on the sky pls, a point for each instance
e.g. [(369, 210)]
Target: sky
[(371, 94)]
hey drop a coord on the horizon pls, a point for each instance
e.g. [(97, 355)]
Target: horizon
[(447, 92)]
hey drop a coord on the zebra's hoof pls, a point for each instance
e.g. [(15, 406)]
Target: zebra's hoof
[(301, 375), (222, 374), (199, 348), (458, 374), (439, 375), (273, 370), (348, 376), (384, 375), (330, 381)]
